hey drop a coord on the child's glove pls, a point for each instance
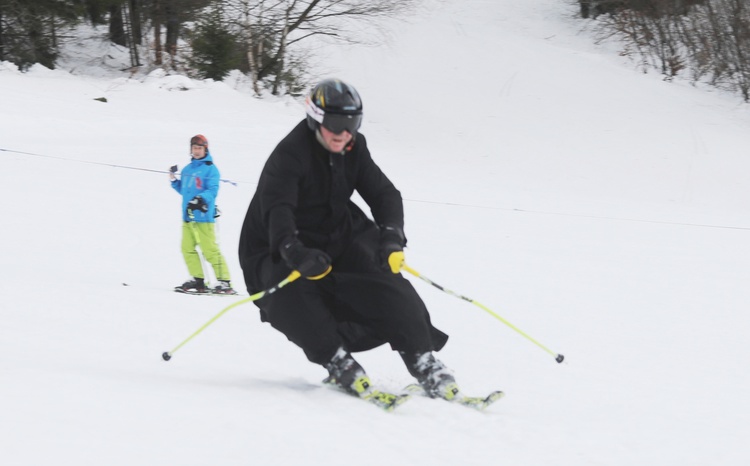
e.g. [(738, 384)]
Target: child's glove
[(197, 203)]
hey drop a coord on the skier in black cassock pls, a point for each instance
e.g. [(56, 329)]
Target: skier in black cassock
[(302, 218)]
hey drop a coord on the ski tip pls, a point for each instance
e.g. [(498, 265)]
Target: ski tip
[(166, 356), (559, 358), (494, 396), (481, 404), (390, 404)]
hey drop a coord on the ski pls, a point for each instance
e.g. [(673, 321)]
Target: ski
[(477, 402), (383, 400), (208, 292), (205, 293)]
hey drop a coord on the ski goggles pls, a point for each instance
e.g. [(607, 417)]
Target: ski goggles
[(338, 123)]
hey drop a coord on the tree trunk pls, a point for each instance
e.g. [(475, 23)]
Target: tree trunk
[(249, 42), (280, 60), (135, 21), (156, 15), (2, 41), (116, 26), (585, 8), (173, 27)]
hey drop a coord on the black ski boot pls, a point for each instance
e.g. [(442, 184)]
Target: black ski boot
[(436, 379), (346, 373), (224, 287), (194, 286)]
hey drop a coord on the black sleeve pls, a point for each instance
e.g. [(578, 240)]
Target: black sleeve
[(377, 190), (279, 190)]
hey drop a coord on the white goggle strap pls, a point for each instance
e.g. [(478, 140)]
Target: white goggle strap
[(313, 110)]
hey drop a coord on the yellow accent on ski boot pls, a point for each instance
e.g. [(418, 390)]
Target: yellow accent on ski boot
[(360, 385), (448, 391)]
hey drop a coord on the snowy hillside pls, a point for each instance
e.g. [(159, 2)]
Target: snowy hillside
[(604, 212)]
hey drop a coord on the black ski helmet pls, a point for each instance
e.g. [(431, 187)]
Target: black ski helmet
[(335, 105)]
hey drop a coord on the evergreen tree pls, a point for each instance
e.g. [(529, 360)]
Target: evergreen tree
[(29, 30), (215, 47)]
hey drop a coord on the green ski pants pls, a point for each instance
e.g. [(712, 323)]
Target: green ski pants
[(203, 234)]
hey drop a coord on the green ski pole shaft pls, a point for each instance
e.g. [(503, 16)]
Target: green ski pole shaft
[(558, 357), (167, 355)]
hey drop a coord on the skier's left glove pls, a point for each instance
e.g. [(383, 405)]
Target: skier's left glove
[(197, 203), (392, 242)]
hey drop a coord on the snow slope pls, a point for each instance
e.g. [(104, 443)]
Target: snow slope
[(602, 211)]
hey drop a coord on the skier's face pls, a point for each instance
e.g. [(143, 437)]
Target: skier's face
[(197, 151), (335, 142)]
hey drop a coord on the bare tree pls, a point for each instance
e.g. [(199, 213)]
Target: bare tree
[(653, 30), (710, 38), (738, 37), (274, 29)]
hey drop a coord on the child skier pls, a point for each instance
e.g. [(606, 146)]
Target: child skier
[(199, 185)]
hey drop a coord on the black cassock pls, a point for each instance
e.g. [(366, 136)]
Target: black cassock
[(305, 191)]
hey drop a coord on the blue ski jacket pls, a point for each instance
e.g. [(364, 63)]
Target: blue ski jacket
[(199, 177)]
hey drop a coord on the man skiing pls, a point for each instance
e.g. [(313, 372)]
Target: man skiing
[(199, 185), (352, 297)]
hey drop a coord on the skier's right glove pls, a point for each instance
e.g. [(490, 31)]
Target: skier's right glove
[(311, 263), (172, 171)]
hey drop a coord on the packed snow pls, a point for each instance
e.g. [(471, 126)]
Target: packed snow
[(602, 211)]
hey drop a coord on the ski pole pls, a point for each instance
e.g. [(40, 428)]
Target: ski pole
[(558, 357), (167, 355)]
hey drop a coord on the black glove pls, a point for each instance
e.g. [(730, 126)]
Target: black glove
[(392, 242), (310, 263), (173, 169), (197, 203)]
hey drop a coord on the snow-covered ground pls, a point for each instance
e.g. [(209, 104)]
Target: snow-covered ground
[(602, 211)]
